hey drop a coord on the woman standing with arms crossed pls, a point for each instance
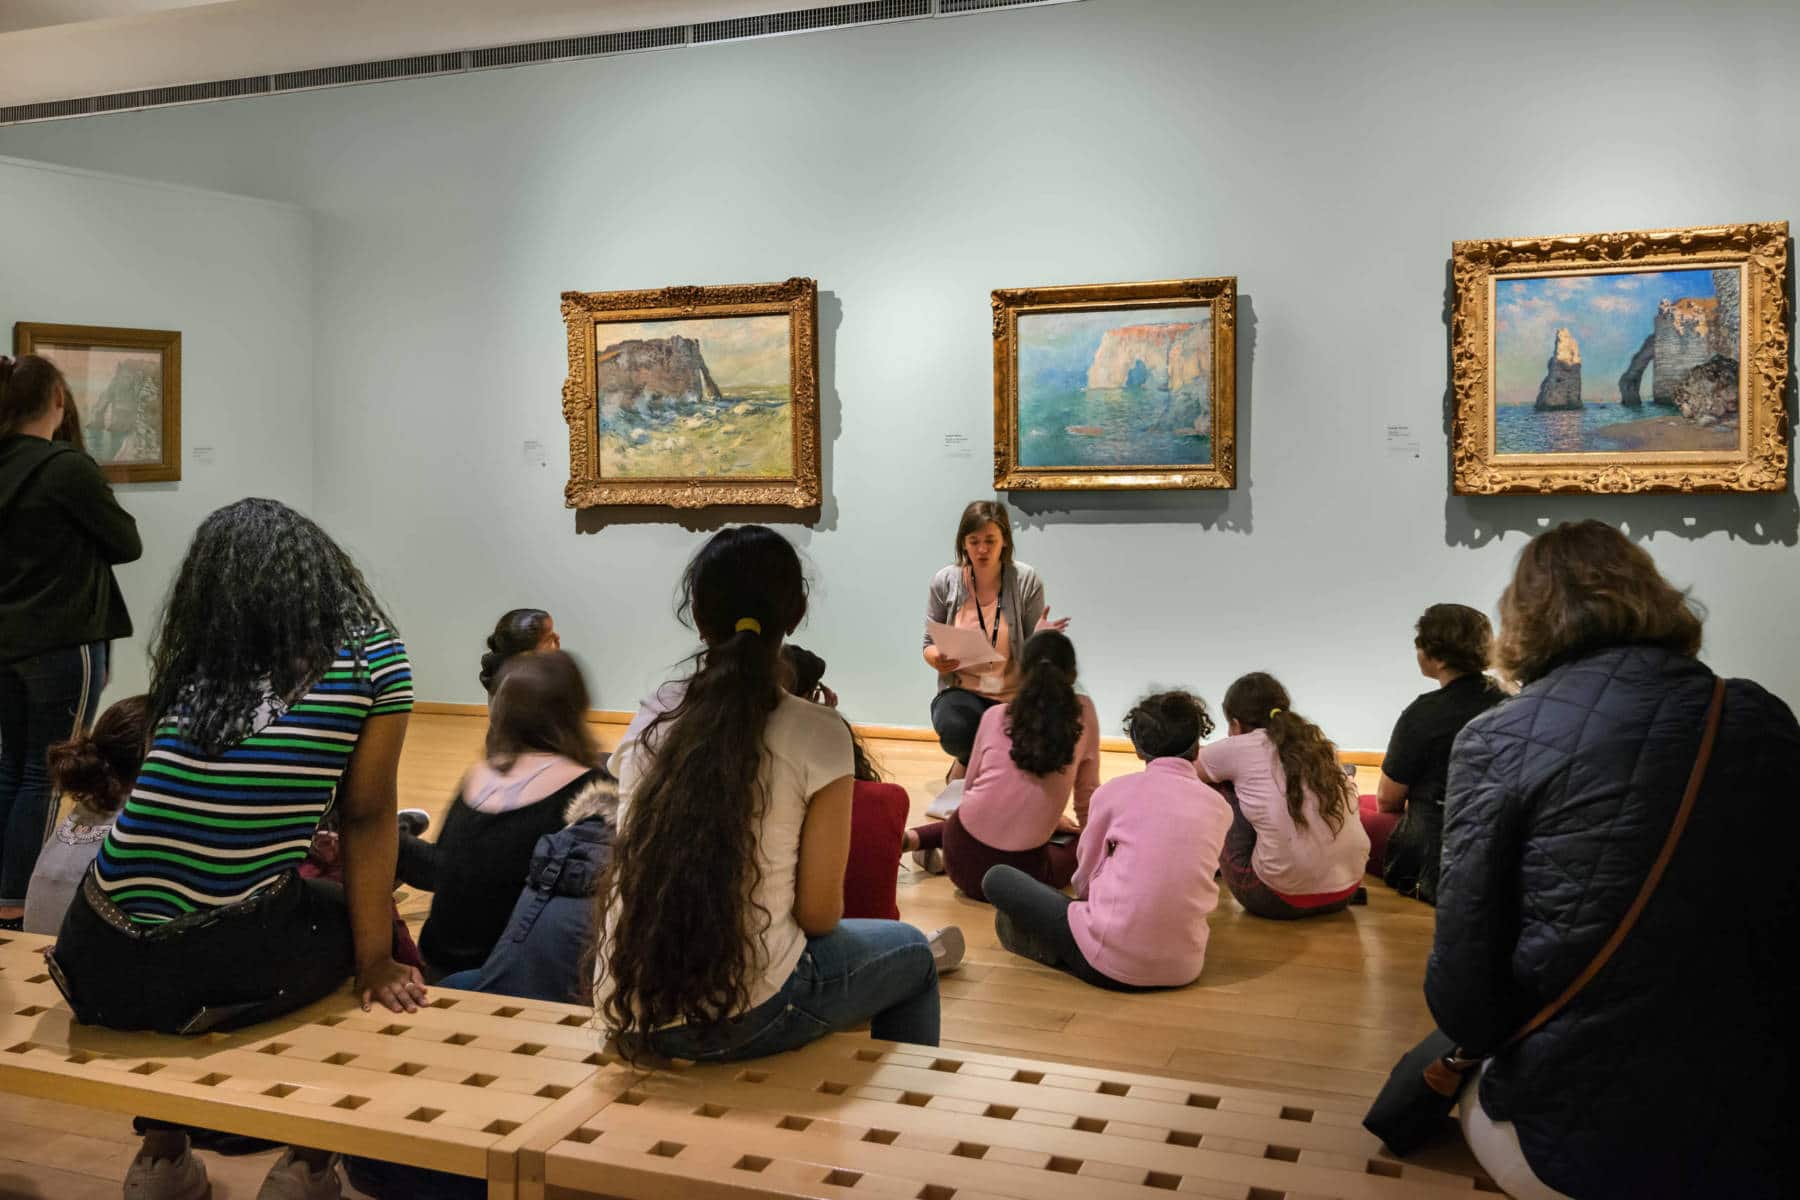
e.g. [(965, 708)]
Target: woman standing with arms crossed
[(983, 590), (61, 533)]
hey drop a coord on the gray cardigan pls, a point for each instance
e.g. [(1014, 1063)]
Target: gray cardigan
[(1022, 596)]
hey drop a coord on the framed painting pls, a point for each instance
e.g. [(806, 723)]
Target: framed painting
[(1621, 362), (126, 385), (1102, 387), (693, 396)]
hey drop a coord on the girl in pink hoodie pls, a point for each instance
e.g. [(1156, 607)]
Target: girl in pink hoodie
[(1144, 875)]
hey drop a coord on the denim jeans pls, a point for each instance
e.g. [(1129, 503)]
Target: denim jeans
[(876, 971), (44, 699)]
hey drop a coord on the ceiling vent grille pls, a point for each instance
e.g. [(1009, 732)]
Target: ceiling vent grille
[(805, 20), (369, 72), (957, 8), (833, 16), (579, 47)]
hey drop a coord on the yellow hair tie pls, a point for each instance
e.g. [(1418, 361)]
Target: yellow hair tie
[(750, 623), (1272, 711)]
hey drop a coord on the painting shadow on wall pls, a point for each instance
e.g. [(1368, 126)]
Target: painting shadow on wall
[(1225, 511), (710, 520), (1473, 521)]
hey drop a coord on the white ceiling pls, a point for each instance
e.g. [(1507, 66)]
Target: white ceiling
[(61, 49)]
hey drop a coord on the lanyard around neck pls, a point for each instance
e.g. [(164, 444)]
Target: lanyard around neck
[(999, 592)]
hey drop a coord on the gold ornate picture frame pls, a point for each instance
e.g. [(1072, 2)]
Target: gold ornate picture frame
[(1651, 361), (693, 397), (1117, 386), (126, 386)]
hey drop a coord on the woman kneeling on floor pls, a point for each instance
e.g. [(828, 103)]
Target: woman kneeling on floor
[(1145, 885), (1296, 847), (1030, 754), (720, 931)]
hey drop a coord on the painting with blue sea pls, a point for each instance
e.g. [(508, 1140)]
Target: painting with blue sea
[(705, 398), (1116, 387), (1610, 362)]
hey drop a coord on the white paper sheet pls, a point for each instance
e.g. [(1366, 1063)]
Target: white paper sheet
[(969, 647)]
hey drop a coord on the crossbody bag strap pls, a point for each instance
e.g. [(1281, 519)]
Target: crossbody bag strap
[(1651, 879), (1445, 1075)]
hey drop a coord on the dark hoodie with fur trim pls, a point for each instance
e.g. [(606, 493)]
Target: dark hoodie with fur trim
[(61, 533), (540, 954)]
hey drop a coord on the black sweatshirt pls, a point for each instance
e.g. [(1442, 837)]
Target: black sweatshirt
[(61, 532)]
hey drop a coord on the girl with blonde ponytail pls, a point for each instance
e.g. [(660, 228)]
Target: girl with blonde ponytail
[(1296, 846)]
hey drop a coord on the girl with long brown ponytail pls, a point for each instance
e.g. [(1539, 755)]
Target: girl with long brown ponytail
[(718, 924), (1296, 846)]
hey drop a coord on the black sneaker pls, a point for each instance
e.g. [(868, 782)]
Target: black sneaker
[(414, 821)]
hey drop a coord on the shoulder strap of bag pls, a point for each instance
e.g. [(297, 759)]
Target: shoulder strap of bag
[(1651, 879)]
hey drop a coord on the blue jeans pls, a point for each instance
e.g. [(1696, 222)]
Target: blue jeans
[(44, 699), (876, 971)]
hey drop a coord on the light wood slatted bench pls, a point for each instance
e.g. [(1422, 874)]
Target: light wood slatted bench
[(517, 1092), (853, 1119), (452, 1087)]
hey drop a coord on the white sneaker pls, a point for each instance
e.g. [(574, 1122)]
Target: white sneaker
[(181, 1178), (929, 861), (947, 948), (292, 1179)]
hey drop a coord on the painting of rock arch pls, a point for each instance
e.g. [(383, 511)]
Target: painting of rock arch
[(1621, 362), (1115, 386), (1638, 361)]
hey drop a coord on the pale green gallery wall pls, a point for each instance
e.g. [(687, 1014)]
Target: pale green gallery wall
[(234, 275), (1327, 154)]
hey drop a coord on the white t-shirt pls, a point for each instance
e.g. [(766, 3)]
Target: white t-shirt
[(806, 747), (1294, 861)]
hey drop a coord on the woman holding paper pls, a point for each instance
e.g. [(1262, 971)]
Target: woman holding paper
[(979, 610)]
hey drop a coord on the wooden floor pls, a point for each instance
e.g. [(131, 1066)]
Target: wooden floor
[(1320, 1007)]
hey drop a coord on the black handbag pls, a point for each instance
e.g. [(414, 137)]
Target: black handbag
[(1423, 1086)]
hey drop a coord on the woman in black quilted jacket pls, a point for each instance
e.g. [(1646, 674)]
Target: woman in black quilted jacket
[(1668, 1074)]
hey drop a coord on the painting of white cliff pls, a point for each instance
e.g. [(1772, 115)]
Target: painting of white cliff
[(695, 396), (1621, 362), (1101, 387)]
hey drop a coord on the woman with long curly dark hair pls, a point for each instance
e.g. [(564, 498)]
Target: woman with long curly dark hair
[(1030, 755), (278, 690), (61, 534), (1296, 846), (718, 926)]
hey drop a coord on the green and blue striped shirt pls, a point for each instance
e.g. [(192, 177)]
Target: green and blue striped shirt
[(203, 831)]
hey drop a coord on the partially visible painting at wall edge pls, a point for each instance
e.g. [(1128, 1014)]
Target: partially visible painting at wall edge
[(1700, 353), (797, 486), (1118, 386), (143, 403)]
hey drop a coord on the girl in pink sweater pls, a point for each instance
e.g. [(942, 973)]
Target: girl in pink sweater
[(1029, 755), (1144, 884), (1296, 847)]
